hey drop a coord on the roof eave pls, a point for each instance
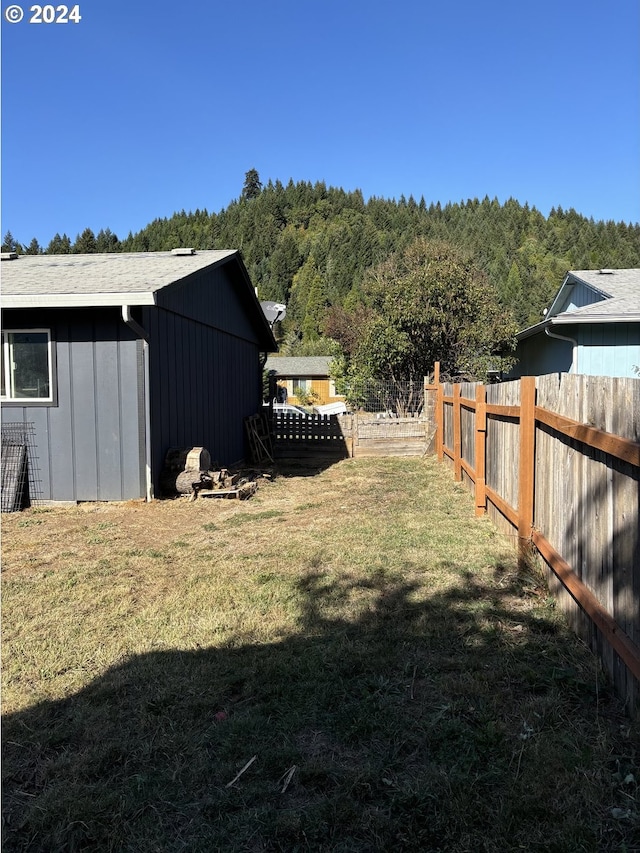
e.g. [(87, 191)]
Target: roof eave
[(78, 300), (268, 342), (576, 320), (533, 330)]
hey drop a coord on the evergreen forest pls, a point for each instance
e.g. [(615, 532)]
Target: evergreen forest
[(311, 247)]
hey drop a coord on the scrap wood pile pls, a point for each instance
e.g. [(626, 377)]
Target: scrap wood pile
[(190, 472)]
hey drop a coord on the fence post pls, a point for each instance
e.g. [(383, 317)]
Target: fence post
[(481, 445), (439, 417), (431, 407), (526, 469), (457, 433)]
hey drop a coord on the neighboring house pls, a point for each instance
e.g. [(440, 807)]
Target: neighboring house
[(592, 327), (308, 373), (115, 358)]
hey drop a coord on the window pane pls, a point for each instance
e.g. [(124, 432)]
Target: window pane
[(29, 364)]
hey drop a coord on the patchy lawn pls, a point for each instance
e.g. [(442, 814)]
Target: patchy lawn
[(355, 649)]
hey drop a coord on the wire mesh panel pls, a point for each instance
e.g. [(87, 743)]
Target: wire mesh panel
[(21, 484), (391, 398)]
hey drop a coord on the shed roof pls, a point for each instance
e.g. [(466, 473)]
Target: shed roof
[(311, 365), (65, 281)]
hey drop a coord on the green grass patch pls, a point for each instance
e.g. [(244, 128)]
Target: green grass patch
[(253, 517)]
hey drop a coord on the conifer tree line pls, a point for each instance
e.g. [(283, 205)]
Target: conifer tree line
[(313, 247)]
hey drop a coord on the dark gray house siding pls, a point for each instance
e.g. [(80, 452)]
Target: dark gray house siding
[(203, 383), (88, 440), (204, 357), (185, 372)]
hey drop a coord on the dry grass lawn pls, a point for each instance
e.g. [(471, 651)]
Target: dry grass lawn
[(358, 633)]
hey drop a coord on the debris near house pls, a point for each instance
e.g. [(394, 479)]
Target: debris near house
[(190, 472), (223, 484), (259, 438)]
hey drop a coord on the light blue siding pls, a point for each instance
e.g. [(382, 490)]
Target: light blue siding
[(608, 349), (579, 296)]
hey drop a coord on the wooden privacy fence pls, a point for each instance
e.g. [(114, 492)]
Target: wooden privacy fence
[(556, 460), (330, 437), (325, 437)]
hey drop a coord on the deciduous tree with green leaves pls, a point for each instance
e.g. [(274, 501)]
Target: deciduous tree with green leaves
[(429, 303)]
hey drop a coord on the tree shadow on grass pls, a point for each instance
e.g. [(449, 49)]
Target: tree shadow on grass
[(452, 721)]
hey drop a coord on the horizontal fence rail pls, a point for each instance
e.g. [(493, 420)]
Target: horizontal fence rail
[(555, 460)]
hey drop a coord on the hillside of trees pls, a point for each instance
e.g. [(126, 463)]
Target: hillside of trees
[(309, 246)]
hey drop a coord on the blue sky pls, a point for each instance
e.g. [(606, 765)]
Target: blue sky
[(146, 108)]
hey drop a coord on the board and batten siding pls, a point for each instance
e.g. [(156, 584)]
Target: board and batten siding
[(607, 350), (579, 296), (204, 364), (203, 383), (541, 354), (88, 441), (217, 297)]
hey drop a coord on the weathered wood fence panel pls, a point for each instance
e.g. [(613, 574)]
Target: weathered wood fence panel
[(597, 532), (342, 436), (305, 437), (555, 461), (374, 436), (502, 450)]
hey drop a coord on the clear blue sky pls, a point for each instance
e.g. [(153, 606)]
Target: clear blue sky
[(145, 108)]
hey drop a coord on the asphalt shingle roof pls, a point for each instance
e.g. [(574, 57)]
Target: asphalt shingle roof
[(312, 365), (616, 283), (621, 289), (97, 279)]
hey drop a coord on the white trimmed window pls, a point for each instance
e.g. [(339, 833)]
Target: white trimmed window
[(27, 365), (301, 383)]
